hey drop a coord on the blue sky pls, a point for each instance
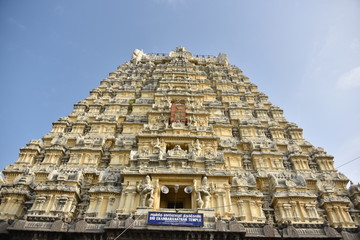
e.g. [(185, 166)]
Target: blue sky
[(305, 55)]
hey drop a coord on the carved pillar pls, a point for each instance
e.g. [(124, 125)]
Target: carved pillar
[(229, 205), (260, 211), (240, 205), (37, 204), (92, 204), (218, 201), (68, 206), (308, 211), (338, 214), (123, 197), (223, 200), (287, 210), (97, 206), (251, 210), (49, 201), (311, 210), (19, 208), (10, 205), (129, 201), (316, 214), (282, 212), (4, 201), (110, 205), (306, 165), (303, 211), (295, 211), (132, 200), (330, 215), (328, 165), (345, 214)]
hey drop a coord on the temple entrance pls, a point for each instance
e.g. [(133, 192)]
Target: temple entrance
[(175, 200)]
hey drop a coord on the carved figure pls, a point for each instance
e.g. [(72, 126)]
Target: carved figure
[(300, 179), (251, 179), (192, 120), (146, 188), (164, 120), (58, 140), (197, 147), (273, 180), (293, 147), (132, 154), (80, 140), (137, 56), (177, 152), (144, 151), (168, 100), (53, 174), (157, 146), (204, 195)]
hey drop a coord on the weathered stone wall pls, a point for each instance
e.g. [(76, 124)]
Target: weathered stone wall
[(161, 121)]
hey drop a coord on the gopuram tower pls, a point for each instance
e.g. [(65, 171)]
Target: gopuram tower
[(176, 146)]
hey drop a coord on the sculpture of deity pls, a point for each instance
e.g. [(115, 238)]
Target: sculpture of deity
[(146, 188), (204, 195), (197, 147)]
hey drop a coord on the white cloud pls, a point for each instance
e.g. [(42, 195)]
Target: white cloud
[(350, 79)]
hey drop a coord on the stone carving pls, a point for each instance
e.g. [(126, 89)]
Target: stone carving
[(168, 101), (157, 146), (137, 56), (178, 125), (196, 148), (327, 186), (294, 148), (220, 225), (109, 176), (144, 152), (268, 230), (71, 175), (192, 120), (59, 140), (210, 151), (81, 226), (27, 178), (290, 231), (88, 141), (236, 226), (227, 143), (288, 180), (146, 190), (129, 221), (133, 155), (164, 120), (177, 152), (222, 59), (203, 194), (244, 179)]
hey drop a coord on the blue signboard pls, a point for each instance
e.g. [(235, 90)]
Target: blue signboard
[(179, 219)]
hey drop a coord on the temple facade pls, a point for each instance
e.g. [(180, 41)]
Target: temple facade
[(176, 146)]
